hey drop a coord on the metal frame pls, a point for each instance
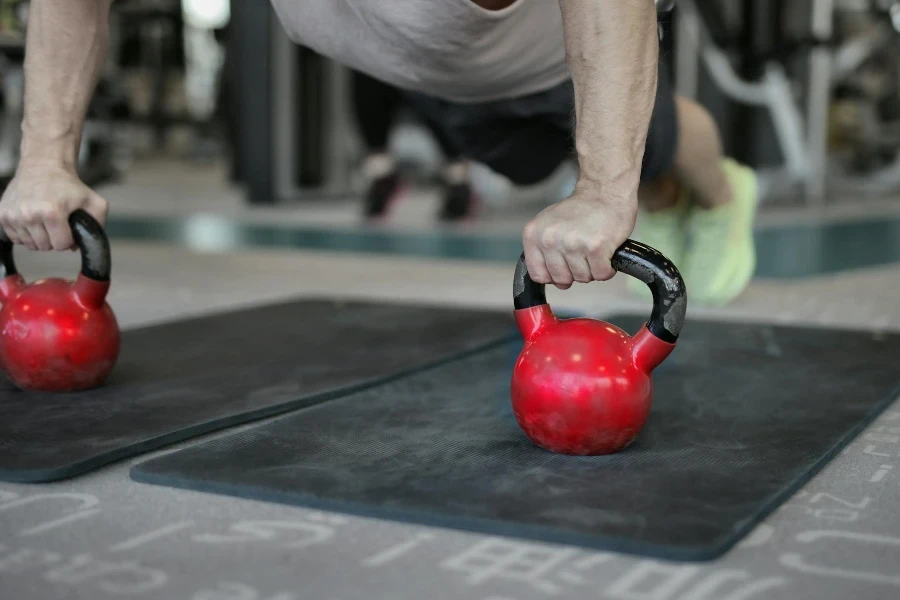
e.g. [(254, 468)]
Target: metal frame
[(818, 99), (250, 80), (801, 128), (772, 91), (263, 64), (339, 144)]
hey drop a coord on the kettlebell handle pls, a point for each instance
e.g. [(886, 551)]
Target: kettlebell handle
[(91, 241), (641, 262)]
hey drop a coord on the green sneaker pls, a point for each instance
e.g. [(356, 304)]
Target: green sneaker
[(721, 255), (665, 230)]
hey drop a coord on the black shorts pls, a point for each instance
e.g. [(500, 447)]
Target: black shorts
[(527, 138)]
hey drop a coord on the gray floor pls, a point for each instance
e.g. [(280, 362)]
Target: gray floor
[(103, 536), (161, 186)]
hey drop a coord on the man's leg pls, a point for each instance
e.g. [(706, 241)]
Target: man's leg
[(721, 256), (696, 164), (698, 160), (524, 139), (458, 202), (697, 206), (375, 105)]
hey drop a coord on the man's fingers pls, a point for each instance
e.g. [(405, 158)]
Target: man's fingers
[(537, 268), (534, 257), (24, 237), (11, 235), (601, 269), (598, 257), (9, 232), (59, 232), (39, 236), (559, 270), (579, 267)]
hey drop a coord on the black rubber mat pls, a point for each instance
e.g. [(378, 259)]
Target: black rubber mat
[(743, 416), (182, 379)]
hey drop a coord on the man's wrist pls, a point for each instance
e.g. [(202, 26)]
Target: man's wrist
[(61, 152), (613, 170), (620, 190)]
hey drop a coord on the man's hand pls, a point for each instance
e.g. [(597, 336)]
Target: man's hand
[(37, 203), (575, 239), (65, 48)]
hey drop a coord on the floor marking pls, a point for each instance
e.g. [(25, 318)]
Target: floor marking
[(37, 529), (880, 473), (146, 538), (395, 552)]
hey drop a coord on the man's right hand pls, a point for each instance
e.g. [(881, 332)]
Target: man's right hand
[(37, 203)]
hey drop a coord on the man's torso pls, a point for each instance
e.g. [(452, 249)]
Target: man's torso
[(453, 49)]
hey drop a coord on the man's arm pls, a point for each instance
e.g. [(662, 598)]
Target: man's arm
[(66, 46), (612, 49)]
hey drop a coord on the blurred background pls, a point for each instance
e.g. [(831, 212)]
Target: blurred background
[(213, 130)]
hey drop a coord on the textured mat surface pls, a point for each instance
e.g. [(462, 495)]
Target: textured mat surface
[(743, 416), (185, 378)]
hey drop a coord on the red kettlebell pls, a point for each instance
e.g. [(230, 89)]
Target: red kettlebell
[(58, 335), (582, 386)]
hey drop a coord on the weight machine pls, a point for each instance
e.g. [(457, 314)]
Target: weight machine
[(753, 65)]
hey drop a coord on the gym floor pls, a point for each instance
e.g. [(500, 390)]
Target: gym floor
[(184, 249)]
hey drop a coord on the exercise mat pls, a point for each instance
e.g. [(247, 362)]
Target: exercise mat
[(182, 379), (743, 415)]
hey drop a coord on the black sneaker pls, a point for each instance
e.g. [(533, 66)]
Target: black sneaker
[(381, 194), (459, 202)]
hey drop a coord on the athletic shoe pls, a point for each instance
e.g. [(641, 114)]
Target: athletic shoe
[(459, 202), (381, 193), (721, 255)]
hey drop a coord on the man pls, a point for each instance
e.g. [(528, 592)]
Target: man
[(503, 77)]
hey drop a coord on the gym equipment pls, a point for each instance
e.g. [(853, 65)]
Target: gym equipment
[(743, 416), (582, 386), (186, 378), (58, 335), (846, 47)]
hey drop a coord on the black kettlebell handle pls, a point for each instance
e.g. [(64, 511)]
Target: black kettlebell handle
[(91, 240), (640, 261)]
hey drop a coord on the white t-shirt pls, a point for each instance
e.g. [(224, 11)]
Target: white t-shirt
[(452, 49)]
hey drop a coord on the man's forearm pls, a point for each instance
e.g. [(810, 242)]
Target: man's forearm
[(612, 49), (66, 46)]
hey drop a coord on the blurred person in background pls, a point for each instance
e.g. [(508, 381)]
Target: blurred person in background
[(376, 105), (518, 85)]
